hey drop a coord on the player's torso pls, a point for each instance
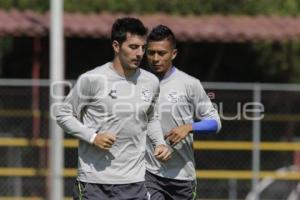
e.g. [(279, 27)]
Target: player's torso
[(120, 105), (175, 107)]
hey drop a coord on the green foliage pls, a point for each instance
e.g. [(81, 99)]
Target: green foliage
[(278, 60), (38, 5), (183, 7), (6, 45)]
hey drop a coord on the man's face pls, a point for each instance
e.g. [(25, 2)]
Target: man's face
[(160, 55), (131, 51)]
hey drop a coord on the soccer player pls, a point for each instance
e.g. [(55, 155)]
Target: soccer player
[(109, 110), (184, 109)]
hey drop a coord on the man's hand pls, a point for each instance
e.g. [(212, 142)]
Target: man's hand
[(162, 152), (179, 133), (105, 140)]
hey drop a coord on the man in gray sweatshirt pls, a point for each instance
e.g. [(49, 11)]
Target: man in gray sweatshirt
[(184, 109), (109, 110)]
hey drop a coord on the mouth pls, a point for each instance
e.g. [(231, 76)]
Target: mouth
[(156, 66), (136, 62)]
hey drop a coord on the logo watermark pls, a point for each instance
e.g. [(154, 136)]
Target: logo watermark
[(117, 98)]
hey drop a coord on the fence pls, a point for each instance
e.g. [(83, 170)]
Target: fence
[(256, 155)]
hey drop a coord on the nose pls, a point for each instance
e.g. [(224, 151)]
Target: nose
[(155, 57), (140, 52)]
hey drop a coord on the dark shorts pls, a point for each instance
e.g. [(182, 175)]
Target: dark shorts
[(169, 189), (91, 191)]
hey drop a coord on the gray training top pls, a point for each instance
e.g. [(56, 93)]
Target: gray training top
[(104, 101), (182, 100)]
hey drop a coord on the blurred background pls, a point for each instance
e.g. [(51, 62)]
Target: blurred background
[(245, 52)]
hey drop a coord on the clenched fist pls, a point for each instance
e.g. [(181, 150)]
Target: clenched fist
[(105, 140), (162, 152), (179, 133)]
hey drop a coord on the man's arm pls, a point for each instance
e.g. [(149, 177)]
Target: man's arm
[(206, 126), (69, 113), (206, 116), (162, 151)]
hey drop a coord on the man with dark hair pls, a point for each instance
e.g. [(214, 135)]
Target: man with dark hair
[(184, 109), (109, 110)]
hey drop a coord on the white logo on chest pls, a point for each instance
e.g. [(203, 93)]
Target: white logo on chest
[(113, 94), (145, 94), (173, 97)]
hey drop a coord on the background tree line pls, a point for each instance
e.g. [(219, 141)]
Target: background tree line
[(182, 7)]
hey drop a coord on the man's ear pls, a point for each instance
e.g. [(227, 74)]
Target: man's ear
[(116, 46), (174, 54)]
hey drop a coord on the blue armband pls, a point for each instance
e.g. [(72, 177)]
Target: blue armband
[(205, 126)]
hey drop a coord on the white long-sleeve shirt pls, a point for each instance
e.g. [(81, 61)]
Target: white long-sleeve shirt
[(182, 100), (104, 101)]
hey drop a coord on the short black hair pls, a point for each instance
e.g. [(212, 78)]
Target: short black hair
[(160, 33), (127, 25)]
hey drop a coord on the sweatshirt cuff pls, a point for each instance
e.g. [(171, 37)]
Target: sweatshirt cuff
[(160, 143), (92, 138), (205, 126)]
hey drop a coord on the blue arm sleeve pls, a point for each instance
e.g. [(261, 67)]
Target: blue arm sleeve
[(205, 126)]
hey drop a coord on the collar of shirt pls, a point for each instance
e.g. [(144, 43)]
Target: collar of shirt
[(169, 73)]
